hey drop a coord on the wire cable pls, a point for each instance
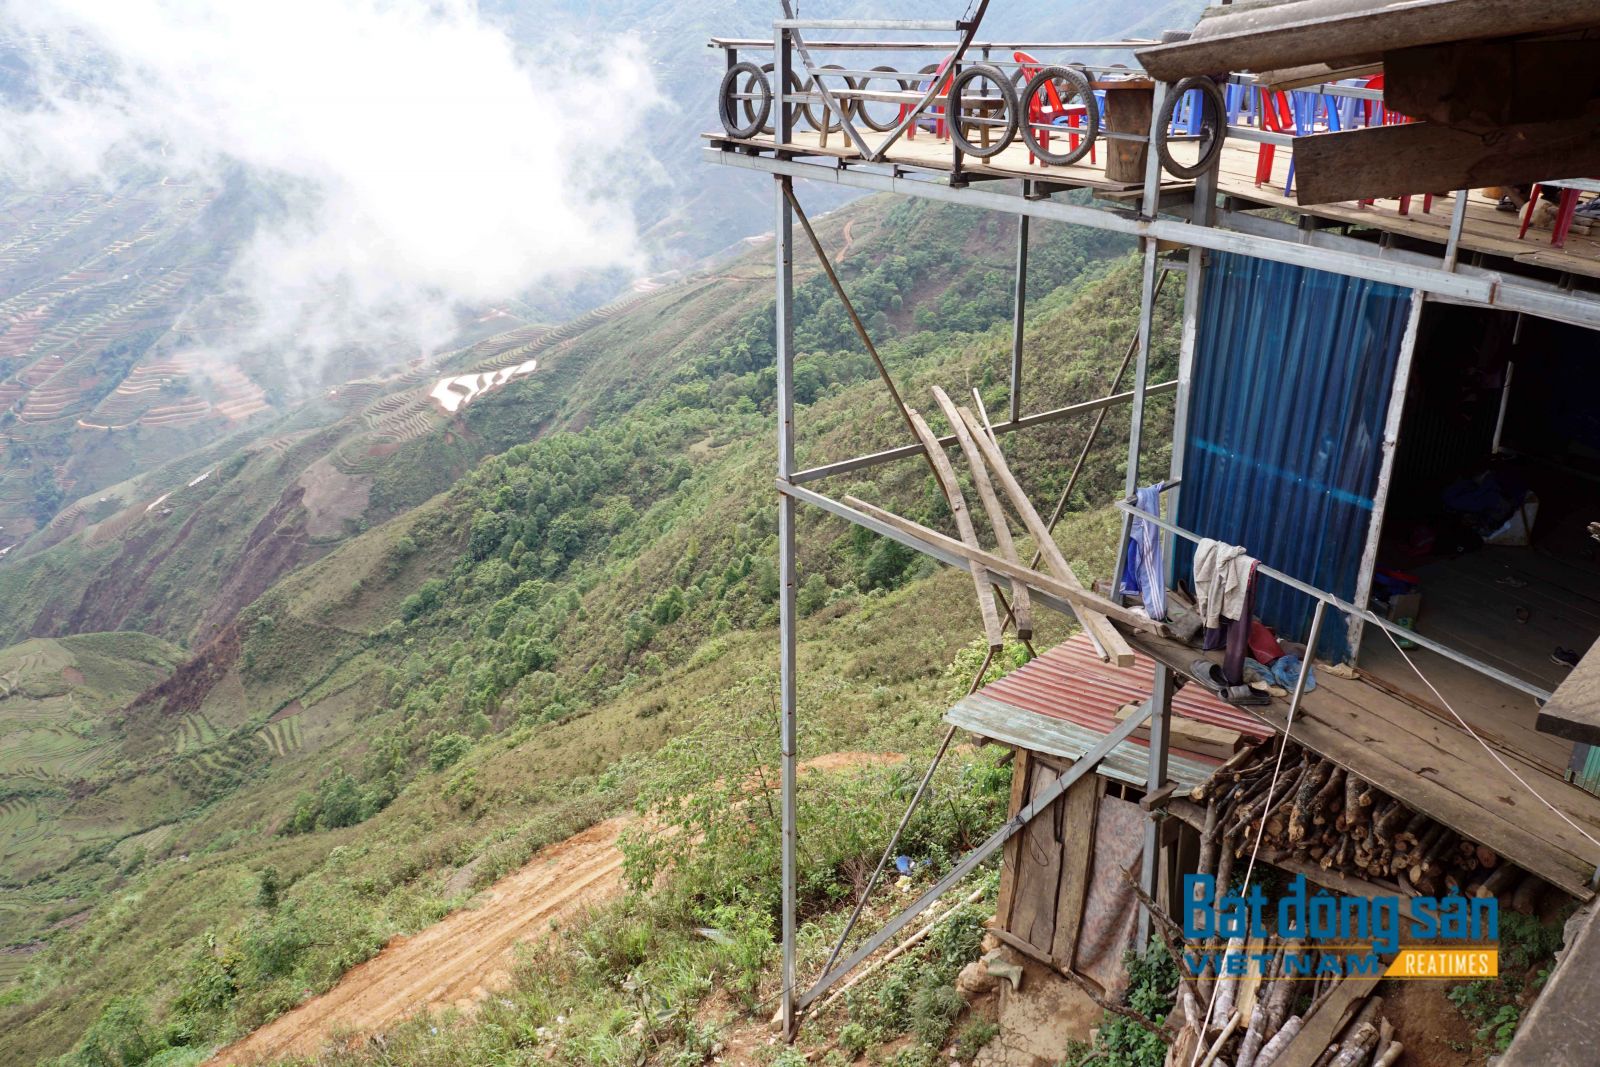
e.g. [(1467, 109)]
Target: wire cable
[(1272, 786), (1563, 816)]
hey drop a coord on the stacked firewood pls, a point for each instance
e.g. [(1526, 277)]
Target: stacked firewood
[(1320, 814), (1251, 1021)]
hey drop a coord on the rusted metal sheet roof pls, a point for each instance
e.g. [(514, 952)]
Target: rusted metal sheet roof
[(1065, 701)]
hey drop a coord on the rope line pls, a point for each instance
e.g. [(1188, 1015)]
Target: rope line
[(1486, 747)]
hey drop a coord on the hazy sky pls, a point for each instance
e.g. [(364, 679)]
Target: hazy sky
[(426, 161)]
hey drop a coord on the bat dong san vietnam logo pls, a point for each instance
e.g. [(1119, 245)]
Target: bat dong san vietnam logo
[(1452, 936)]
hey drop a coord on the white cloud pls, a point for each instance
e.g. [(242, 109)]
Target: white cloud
[(426, 162)]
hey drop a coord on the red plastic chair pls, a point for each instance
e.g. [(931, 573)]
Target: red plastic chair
[(1565, 210), (1276, 117), (939, 74), (1053, 110)]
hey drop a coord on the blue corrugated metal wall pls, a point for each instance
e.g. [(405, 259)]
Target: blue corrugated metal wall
[(1292, 374)]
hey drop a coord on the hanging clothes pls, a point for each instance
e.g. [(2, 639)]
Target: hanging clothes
[(1145, 571), (1222, 575), (1239, 630)]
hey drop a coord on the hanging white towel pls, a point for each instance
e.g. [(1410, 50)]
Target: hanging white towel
[(1221, 578)]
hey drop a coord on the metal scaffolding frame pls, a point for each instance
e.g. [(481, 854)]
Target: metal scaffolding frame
[(1207, 227)]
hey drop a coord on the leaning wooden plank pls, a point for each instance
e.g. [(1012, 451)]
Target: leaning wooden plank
[(1414, 157), (1077, 833), (946, 476), (1045, 583), (1110, 640), (1020, 775), (1020, 606), (1318, 1031)]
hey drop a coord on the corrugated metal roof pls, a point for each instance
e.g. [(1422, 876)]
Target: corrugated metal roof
[(1066, 700)]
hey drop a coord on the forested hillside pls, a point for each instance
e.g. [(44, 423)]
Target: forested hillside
[(534, 598)]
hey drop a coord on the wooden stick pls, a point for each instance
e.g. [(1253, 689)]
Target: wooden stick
[(1088, 987), (1222, 1039), (899, 950), (1278, 1041), (1020, 607), (945, 475), (1072, 593), (1389, 1056), (1112, 641)]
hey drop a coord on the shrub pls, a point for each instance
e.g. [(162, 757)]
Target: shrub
[(447, 749), (933, 1009)]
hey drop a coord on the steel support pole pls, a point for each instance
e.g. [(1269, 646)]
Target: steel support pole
[(1380, 495), (783, 232), (1020, 308), (1149, 203), (1202, 213), (1160, 735)]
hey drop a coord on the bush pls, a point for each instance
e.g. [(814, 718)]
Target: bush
[(934, 1008), (447, 749)]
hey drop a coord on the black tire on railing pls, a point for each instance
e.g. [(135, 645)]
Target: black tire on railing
[(796, 85), (744, 91), (814, 111), (1213, 128), (1076, 86), (956, 119), (866, 116)]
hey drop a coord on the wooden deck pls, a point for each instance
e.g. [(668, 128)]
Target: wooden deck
[(1437, 768), (1472, 603), (1486, 231)]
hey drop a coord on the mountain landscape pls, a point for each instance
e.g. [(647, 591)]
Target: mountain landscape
[(298, 656)]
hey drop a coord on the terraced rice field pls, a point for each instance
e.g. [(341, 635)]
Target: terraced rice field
[(150, 840), (283, 737), (20, 828), (194, 731)]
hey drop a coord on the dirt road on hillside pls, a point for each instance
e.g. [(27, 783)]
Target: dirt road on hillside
[(459, 960), (456, 961)]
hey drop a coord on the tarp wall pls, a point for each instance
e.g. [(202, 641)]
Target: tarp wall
[(1291, 383)]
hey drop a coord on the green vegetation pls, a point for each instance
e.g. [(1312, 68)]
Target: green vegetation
[(1494, 1007), (579, 623), (1120, 1041)]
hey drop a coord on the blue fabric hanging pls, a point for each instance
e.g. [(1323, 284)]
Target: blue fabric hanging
[(1144, 572), (1292, 374)]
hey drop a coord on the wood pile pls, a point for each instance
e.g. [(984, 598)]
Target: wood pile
[(1319, 816), (1256, 1018)]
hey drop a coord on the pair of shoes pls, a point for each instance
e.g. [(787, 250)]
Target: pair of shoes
[(1564, 657), (1506, 204)]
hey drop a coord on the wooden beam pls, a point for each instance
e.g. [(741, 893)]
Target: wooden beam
[(1271, 36), (1315, 74), (1573, 710), (1094, 621), (1045, 583), (1420, 157), (1020, 606), (1484, 85), (946, 476)]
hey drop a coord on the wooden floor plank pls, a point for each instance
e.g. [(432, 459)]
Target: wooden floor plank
[(1430, 766), (1484, 229)]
